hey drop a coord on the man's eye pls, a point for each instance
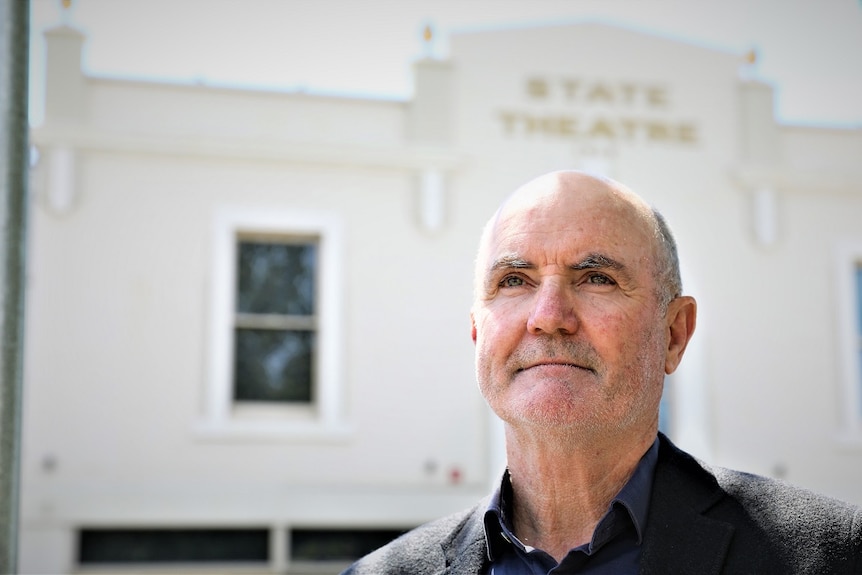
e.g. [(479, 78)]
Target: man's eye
[(600, 279), (512, 281)]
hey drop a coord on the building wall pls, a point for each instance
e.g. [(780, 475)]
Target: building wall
[(125, 285)]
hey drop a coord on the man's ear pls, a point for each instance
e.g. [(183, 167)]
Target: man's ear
[(681, 320), (472, 327)]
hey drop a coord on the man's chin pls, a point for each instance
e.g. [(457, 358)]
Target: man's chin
[(549, 411), (565, 383)]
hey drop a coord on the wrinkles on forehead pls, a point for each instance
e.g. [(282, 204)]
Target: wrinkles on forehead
[(572, 193)]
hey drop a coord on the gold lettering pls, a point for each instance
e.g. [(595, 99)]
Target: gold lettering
[(549, 124), (656, 97), (687, 133), (628, 93), (571, 88), (629, 128), (508, 122), (623, 93), (600, 92), (566, 126), (602, 128), (537, 88), (657, 131)]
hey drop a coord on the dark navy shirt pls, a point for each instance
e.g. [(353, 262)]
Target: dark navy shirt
[(614, 549)]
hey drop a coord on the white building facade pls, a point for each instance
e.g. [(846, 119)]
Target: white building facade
[(247, 315)]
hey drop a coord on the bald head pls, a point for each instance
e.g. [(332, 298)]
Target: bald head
[(578, 195)]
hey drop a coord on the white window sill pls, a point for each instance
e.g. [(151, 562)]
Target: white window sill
[(234, 430)]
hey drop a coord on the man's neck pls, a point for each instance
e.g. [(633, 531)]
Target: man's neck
[(561, 488)]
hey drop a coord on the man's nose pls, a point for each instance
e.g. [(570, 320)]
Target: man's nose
[(553, 310)]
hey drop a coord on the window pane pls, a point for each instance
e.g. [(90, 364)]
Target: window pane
[(859, 301), (172, 545), (276, 278), (860, 383), (338, 544), (859, 329), (273, 365)]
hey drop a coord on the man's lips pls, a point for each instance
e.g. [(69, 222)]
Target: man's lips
[(554, 363)]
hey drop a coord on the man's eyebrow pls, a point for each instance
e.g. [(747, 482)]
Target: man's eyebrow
[(511, 261), (594, 261), (598, 261), (590, 262)]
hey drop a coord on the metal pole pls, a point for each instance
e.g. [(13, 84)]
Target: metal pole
[(14, 33)]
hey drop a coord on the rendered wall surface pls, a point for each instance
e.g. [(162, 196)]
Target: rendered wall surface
[(130, 184)]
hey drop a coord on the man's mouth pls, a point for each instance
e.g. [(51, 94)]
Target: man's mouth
[(554, 363)]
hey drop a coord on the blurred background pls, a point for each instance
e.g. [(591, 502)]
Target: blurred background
[(252, 230)]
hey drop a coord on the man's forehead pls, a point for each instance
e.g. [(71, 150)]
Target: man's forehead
[(563, 217), (573, 212), (553, 214), (572, 193)]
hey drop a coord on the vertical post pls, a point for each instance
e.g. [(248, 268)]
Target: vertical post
[(432, 200), (14, 32), (765, 216)]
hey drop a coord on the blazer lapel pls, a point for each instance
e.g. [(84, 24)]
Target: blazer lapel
[(468, 553), (471, 559), (679, 537)]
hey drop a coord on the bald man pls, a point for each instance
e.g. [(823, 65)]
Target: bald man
[(578, 316)]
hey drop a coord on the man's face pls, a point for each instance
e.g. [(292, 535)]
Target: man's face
[(568, 328)]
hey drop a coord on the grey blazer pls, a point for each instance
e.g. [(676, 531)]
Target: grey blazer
[(701, 521)]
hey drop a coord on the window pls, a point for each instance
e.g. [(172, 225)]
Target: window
[(858, 302), (282, 549), (137, 546), (274, 338), (849, 321), (274, 352), (314, 545)]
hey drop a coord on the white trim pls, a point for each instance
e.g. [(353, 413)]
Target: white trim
[(765, 207), (219, 418), (788, 178), (61, 180), (395, 157), (848, 256), (432, 200)]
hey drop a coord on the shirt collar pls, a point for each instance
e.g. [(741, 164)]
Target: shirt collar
[(634, 497)]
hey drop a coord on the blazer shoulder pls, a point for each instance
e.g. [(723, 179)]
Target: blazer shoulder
[(795, 511), (780, 527), (428, 548), (816, 533)]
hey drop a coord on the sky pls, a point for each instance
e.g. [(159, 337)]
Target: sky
[(810, 50)]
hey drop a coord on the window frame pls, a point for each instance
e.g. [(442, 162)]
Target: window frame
[(223, 416), (848, 258)]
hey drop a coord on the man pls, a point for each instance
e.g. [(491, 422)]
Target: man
[(578, 315)]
